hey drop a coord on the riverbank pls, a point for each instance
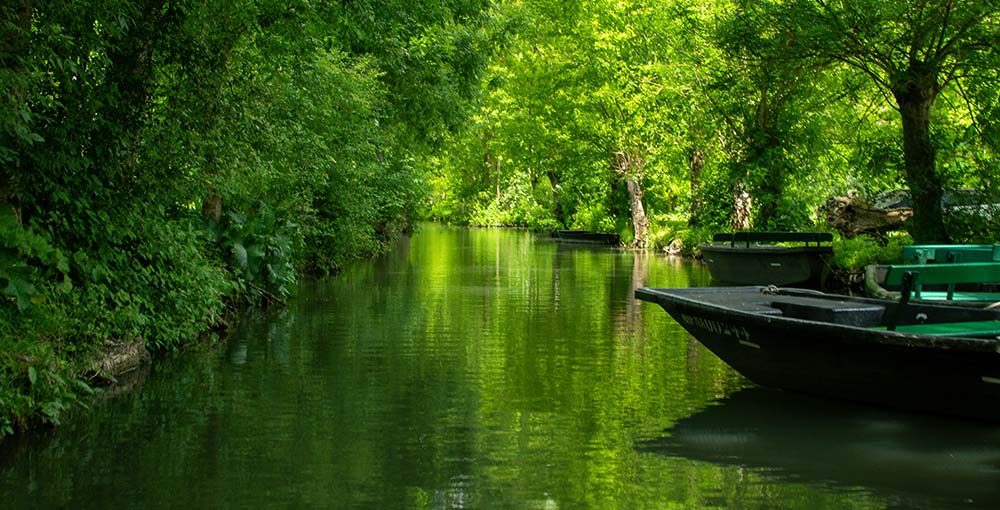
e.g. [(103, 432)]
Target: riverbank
[(91, 317)]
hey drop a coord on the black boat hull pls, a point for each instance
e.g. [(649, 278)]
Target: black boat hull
[(767, 265), (581, 236), (953, 376)]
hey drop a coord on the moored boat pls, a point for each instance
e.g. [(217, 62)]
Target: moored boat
[(924, 357), (583, 236), (751, 258)]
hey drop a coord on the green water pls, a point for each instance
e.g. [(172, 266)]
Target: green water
[(485, 369)]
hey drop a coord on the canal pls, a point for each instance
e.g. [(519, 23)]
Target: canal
[(474, 368)]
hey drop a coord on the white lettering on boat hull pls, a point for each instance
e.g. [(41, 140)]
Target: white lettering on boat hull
[(738, 332)]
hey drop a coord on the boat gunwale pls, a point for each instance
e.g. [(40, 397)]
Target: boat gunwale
[(765, 248), (832, 331)]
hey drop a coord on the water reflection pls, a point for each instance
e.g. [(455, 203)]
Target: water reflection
[(467, 369), (910, 461)]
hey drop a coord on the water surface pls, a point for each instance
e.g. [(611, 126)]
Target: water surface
[(486, 369)]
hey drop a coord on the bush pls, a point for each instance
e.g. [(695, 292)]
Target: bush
[(258, 250), (860, 251), (36, 383)]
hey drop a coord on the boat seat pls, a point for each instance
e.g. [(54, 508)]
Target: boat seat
[(836, 312), (959, 329), (754, 306), (950, 253), (760, 309), (911, 277)]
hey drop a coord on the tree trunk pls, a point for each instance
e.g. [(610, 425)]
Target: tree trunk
[(742, 207), (769, 195), (696, 163), (639, 221), (211, 207), (915, 99), (631, 165), (557, 209)]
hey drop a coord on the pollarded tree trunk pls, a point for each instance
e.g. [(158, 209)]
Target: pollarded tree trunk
[(639, 221), (915, 98), (631, 166), (742, 207)]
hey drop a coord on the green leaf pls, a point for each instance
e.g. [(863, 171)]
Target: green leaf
[(32, 375), (240, 254), (22, 290), (84, 387)]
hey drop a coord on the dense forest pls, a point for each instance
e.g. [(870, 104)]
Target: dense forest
[(163, 162), (664, 120)]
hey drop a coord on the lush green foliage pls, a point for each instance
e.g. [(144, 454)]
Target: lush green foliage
[(856, 253), (163, 161), (728, 114)]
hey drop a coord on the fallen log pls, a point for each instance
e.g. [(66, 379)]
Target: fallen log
[(852, 215)]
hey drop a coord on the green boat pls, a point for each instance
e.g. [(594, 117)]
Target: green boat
[(964, 274), (752, 258)]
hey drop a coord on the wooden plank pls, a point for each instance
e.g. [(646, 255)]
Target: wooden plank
[(930, 274)]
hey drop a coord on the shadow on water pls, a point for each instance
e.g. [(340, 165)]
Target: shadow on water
[(909, 461)]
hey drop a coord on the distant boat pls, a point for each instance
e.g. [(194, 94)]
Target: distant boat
[(582, 236), (739, 258), (925, 357)]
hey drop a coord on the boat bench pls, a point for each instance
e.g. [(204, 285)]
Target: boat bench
[(912, 278), (958, 329), (950, 253), (836, 312)]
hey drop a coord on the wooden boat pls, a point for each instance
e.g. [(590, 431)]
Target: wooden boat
[(739, 258), (924, 357), (912, 459), (582, 236)]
